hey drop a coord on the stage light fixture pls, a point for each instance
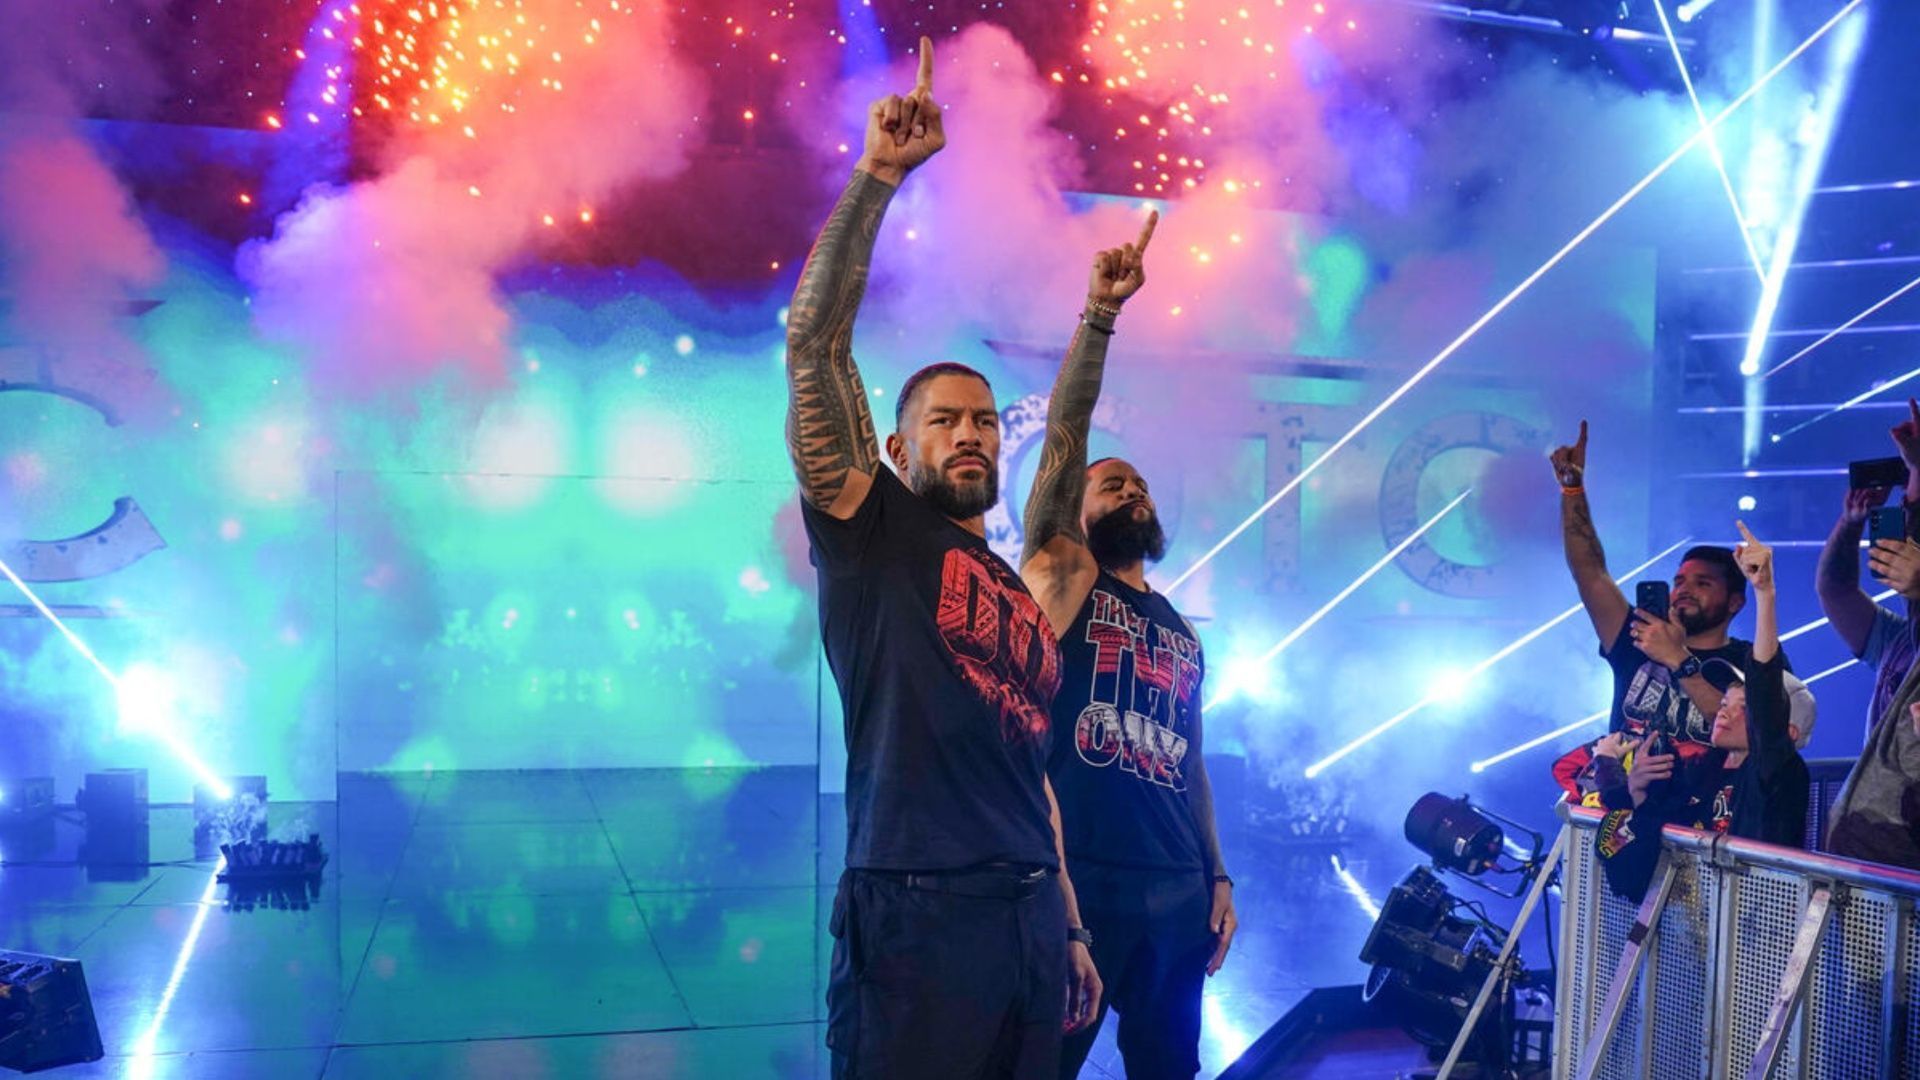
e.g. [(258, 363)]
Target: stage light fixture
[(1595, 18), (1453, 833), (1470, 841), (1428, 960), (1442, 968)]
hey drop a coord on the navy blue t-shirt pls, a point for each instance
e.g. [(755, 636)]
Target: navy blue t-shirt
[(1126, 730)]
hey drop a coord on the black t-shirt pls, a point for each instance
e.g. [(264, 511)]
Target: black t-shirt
[(1770, 796), (1763, 798), (1646, 695), (946, 667), (1125, 728)]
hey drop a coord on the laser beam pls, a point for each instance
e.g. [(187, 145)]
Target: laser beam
[(1835, 669), (1385, 561), (1394, 721), (163, 731), (1850, 403), (1514, 294), (1713, 144), (1843, 327), (1354, 889), (141, 1065), (1818, 623), (1503, 755)]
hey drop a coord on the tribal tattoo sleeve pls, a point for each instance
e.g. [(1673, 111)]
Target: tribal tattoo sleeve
[(829, 426)]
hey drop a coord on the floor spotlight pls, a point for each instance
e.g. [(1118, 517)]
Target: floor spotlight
[(1443, 963), (1469, 841)]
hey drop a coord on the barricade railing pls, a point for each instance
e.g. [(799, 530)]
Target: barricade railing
[(1745, 960)]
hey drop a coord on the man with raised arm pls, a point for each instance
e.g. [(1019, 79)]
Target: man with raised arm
[(1878, 636), (951, 955), (1659, 665), (1753, 783), (1134, 793)]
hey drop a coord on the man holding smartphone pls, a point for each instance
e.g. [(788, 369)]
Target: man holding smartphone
[(1876, 635), (1752, 783), (1877, 816), (1659, 659)]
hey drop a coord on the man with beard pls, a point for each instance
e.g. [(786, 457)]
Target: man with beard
[(1659, 685), (952, 955), (1135, 799)]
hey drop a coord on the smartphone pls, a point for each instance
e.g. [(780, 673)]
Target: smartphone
[(1659, 743), (1886, 472), (1887, 523), (1651, 597)]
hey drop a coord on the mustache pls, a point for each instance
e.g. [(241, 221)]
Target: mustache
[(962, 458)]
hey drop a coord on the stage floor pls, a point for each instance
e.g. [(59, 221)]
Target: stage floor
[(560, 924)]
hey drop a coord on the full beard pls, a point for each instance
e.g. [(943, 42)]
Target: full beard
[(958, 500), (1701, 620), (1119, 540)]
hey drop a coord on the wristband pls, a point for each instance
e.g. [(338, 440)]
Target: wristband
[(1080, 934), (1218, 878), (1111, 311), (1565, 490)]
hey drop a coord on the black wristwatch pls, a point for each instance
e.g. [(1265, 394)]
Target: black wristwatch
[(1688, 668), (1218, 878), (1080, 934)]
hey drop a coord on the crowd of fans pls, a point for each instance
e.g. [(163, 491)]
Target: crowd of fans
[(1706, 728)]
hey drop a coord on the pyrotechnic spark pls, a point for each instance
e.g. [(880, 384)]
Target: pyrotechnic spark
[(1167, 70)]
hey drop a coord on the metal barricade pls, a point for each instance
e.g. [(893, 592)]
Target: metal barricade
[(1757, 961)]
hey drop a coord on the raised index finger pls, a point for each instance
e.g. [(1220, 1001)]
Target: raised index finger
[(925, 80), (1743, 531), (1582, 444), (1146, 233)]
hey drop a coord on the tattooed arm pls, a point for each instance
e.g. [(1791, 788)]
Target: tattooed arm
[(1606, 605), (1056, 563), (829, 426)]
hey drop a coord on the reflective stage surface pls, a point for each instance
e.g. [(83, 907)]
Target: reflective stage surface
[(560, 924)]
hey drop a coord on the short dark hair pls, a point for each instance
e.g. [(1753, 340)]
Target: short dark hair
[(919, 378), (1097, 462), (1721, 559)]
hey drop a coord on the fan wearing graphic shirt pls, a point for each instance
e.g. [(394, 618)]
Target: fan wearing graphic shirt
[(952, 955), (1135, 800), (1753, 783), (1659, 680)]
